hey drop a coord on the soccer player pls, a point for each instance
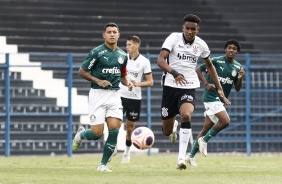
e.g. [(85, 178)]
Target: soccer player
[(216, 117), (178, 58), (137, 66), (105, 68)]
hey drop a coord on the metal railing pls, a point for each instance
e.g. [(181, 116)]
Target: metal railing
[(256, 108)]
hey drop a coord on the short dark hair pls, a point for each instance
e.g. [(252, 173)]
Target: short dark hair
[(110, 24), (192, 18), (234, 42), (135, 39)]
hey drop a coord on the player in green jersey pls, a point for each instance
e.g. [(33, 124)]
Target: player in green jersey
[(229, 72), (105, 68)]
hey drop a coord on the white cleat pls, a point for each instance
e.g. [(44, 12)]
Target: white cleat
[(173, 135), (203, 146), (125, 159), (191, 161), (103, 168), (181, 164), (77, 140)]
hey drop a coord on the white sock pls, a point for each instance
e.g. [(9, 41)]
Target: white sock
[(184, 135), (127, 150)]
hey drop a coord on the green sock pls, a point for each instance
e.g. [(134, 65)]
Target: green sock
[(110, 145), (89, 135), (212, 132), (194, 149)]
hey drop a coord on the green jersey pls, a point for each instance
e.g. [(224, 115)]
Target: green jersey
[(227, 74), (106, 64)]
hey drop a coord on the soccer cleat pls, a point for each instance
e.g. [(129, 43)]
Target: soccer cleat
[(103, 168), (113, 154), (77, 140), (191, 161), (181, 164), (173, 135), (125, 159), (203, 146)]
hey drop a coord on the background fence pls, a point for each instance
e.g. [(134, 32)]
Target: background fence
[(41, 126)]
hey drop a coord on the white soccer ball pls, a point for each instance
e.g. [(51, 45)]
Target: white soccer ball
[(142, 138)]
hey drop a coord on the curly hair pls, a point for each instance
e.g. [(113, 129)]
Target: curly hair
[(234, 42), (192, 18)]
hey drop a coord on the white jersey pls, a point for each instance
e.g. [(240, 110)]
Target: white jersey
[(135, 70), (183, 58)]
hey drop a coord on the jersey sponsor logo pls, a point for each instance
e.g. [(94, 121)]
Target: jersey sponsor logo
[(225, 80), (187, 97), (133, 114), (186, 83), (132, 73), (107, 58), (187, 57), (113, 70), (164, 112), (91, 63), (120, 60), (218, 61), (102, 52)]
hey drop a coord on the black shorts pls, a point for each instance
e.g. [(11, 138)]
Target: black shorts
[(132, 108), (173, 98)]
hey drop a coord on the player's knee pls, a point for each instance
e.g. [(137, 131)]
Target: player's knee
[(166, 131), (97, 130), (186, 117), (99, 133), (226, 122)]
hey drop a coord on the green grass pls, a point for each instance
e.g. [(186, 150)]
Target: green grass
[(158, 168)]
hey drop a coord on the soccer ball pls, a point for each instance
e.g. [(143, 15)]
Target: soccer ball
[(142, 138)]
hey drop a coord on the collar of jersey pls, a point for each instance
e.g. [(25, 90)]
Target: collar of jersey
[(134, 58), (185, 42)]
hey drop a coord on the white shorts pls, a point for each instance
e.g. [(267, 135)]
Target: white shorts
[(103, 104), (213, 108)]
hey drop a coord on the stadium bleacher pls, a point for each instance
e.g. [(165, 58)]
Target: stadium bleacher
[(71, 26), (258, 21), (76, 26)]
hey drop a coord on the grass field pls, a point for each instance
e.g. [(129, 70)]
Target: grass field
[(143, 169)]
